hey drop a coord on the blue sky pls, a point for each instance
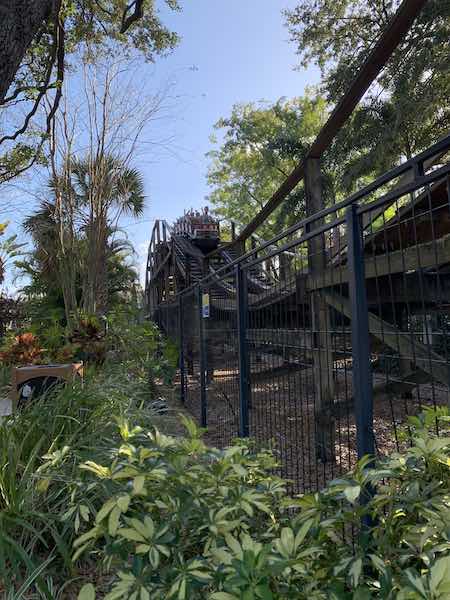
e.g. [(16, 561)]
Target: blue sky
[(241, 53), (231, 51)]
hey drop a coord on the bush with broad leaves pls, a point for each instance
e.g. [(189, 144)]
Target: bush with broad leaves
[(179, 520)]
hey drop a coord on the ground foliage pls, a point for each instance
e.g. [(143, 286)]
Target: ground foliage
[(181, 520), (98, 500), (41, 446)]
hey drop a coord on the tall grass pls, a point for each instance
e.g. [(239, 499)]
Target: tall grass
[(40, 449)]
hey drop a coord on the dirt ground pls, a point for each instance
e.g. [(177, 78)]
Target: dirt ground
[(282, 417)]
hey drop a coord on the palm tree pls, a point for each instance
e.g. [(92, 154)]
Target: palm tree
[(106, 188), (74, 232), (55, 257)]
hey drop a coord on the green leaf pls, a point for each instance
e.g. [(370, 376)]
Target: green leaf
[(378, 563), (105, 510), (131, 534), (87, 592), (123, 502), (84, 512), (302, 532), (92, 533), (113, 522), (355, 572), (416, 583), (239, 470), (99, 470), (352, 493), (439, 572), (287, 540), (138, 484), (144, 594), (234, 545)]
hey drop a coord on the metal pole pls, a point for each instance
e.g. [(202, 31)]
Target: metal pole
[(361, 369), (182, 369), (203, 397), (244, 371)]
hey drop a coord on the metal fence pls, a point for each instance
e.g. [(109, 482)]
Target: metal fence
[(321, 342)]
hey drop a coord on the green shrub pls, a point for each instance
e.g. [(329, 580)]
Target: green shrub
[(40, 450), (141, 349), (184, 521)]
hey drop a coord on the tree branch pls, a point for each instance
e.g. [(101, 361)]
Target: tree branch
[(60, 55), (137, 14), (56, 55), (23, 88)]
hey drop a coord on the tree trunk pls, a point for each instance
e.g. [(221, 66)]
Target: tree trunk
[(69, 294), (95, 283), (102, 281), (90, 268), (19, 23), (321, 326)]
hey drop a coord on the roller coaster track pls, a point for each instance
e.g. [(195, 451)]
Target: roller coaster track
[(176, 263)]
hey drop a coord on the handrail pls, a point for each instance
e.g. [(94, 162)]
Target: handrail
[(415, 165)]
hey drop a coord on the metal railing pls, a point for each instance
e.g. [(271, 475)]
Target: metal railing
[(351, 337)]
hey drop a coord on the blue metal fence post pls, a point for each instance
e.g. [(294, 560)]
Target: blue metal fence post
[(244, 371), (361, 369), (181, 334), (202, 349)]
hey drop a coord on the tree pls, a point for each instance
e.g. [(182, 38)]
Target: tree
[(106, 189), (90, 185), (52, 268), (47, 279), (74, 254), (408, 107), (262, 144), (36, 39), (9, 249)]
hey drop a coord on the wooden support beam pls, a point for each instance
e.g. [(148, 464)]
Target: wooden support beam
[(321, 326), (369, 217), (300, 339), (162, 264), (421, 355), (403, 385), (420, 256)]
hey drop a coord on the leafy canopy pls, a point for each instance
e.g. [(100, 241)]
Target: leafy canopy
[(261, 145), (73, 30), (408, 107)]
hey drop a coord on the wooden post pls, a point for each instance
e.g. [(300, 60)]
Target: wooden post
[(284, 269), (233, 230), (320, 322)]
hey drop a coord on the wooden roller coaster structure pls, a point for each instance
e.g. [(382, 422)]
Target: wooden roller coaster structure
[(340, 296)]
